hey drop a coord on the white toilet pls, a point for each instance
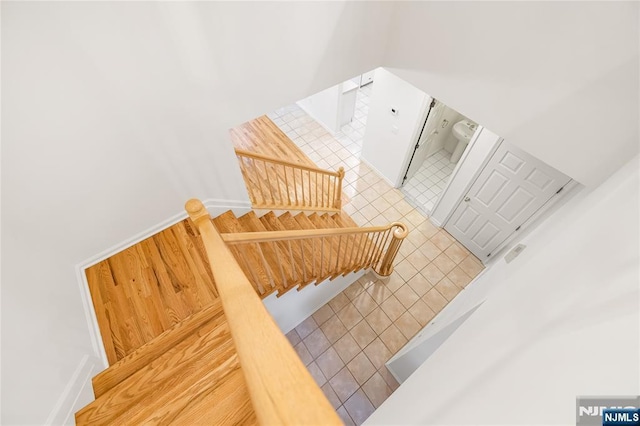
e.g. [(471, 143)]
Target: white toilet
[(463, 131)]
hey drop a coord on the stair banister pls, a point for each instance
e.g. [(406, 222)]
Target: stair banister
[(378, 254), (304, 187), (281, 388)]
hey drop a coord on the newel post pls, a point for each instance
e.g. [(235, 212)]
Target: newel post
[(338, 202), (399, 234), (197, 211)]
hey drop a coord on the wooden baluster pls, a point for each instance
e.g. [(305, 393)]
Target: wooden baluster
[(310, 196), (304, 202), (372, 249), (286, 182), (295, 186), (367, 245), (295, 273), (304, 264), (356, 238), (383, 246), (277, 178), (266, 266), (245, 176), (330, 180), (329, 186), (313, 259), (375, 252), (274, 247), (399, 234), (316, 188), (338, 255), (264, 200), (322, 256), (338, 203), (322, 198), (273, 200), (249, 266), (330, 255)]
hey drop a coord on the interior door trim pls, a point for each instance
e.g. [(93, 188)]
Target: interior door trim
[(417, 145), (473, 180)]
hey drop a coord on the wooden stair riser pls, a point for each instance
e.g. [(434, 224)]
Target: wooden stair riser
[(159, 376), (146, 354)]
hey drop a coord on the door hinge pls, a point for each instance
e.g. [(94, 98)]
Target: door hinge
[(433, 103), (559, 190), (518, 228), (489, 255)]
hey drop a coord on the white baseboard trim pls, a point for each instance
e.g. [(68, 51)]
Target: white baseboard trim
[(383, 177), (75, 394), (435, 222), (214, 206)]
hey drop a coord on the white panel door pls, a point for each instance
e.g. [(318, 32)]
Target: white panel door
[(508, 191)]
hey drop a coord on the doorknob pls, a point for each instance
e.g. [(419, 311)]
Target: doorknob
[(467, 199)]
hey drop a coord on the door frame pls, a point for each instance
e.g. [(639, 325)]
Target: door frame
[(422, 124), (543, 211), (474, 177)]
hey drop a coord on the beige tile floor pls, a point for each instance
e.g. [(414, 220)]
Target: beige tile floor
[(346, 343)]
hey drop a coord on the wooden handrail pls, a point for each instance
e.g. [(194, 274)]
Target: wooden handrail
[(278, 184), (260, 237), (281, 388), (373, 247), (243, 153)]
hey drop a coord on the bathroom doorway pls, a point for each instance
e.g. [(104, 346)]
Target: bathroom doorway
[(444, 137)]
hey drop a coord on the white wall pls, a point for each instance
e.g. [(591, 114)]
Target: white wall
[(388, 139), (557, 79), (559, 321), (295, 306), (481, 146), (324, 107), (114, 114), (412, 355), (446, 134)]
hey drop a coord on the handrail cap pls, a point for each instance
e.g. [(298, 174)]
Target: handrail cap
[(401, 230), (196, 209)]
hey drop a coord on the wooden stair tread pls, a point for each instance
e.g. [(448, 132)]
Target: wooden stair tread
[(263, 136), (344, 220), (249, 258), (142, 356), (170, 382), (346, 246), (303, 247), (330, 256), (278, 261), (306, 222), (271, 223)]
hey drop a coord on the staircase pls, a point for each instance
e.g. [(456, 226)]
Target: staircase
[(228, 363), (175, 378), (279, 253)]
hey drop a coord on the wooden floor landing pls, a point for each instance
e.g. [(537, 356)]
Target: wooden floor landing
[(146, 289), (263, 136)]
